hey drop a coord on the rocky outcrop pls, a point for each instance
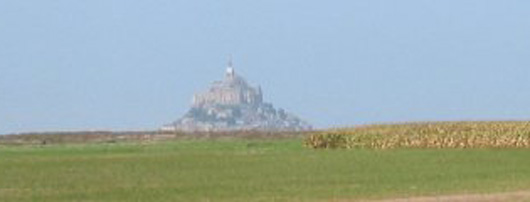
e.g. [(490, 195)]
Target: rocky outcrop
[(232, 104)]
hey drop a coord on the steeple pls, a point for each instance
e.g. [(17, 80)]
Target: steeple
[(230, 72)]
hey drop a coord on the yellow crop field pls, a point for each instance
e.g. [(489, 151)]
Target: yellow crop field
[(427, 135)]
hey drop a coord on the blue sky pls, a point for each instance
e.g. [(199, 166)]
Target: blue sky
[(110, 64)]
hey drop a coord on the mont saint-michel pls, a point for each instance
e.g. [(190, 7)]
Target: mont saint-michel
[(233, 104)]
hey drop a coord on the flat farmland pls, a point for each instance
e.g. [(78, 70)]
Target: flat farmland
[(251, 170)]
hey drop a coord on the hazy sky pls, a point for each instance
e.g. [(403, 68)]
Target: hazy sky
[(109, 64)]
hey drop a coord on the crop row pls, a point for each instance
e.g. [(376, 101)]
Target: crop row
[(427, 135)]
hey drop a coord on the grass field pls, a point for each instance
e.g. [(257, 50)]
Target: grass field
[(251, 170)]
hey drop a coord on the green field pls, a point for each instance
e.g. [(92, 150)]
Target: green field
[(251, 170)]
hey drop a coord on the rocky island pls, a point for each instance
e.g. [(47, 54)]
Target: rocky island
[(232, 104)]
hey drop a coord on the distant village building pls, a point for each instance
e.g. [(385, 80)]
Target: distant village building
[(232, 104)]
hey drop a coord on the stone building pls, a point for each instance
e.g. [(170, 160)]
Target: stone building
[(233, 90)]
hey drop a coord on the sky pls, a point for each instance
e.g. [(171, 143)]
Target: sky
[(134, 65)]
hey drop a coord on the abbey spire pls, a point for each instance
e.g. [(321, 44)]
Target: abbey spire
[(230, 72)]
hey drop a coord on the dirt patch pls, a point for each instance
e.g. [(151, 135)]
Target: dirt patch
[(521, 196)]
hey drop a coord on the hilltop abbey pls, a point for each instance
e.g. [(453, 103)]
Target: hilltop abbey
[(233, 90), (233, 104)]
